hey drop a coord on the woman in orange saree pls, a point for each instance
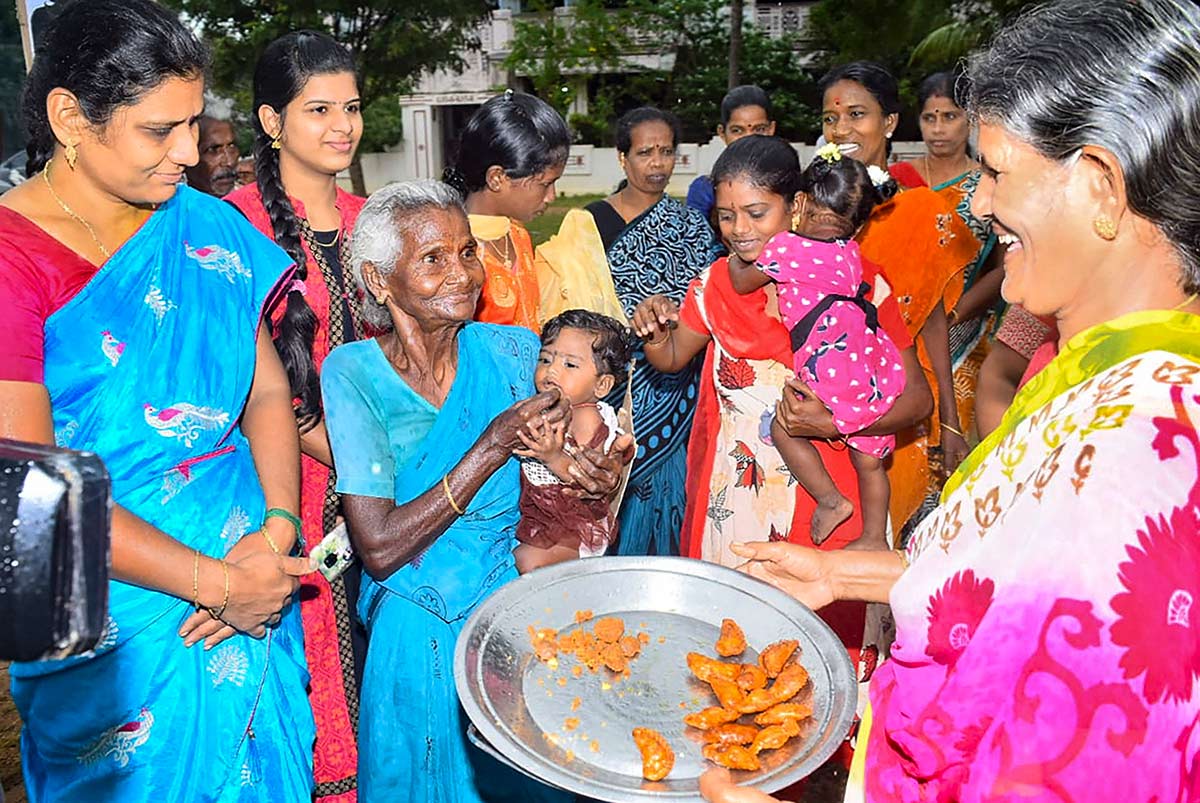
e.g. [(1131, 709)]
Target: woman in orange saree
[(510, 154), (923, 247)]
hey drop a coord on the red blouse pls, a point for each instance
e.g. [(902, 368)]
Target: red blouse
[(38, 275)]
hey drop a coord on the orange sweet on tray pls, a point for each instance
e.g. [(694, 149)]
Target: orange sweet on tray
[(657, 756), (732, 640)]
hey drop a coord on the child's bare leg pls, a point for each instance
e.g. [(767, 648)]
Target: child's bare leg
[(805, 463), (530, 557), (875, 492)]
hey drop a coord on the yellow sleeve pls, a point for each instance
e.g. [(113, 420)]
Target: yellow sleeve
[(572, 270)]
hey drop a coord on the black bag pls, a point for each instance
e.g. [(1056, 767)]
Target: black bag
[(55, 511)]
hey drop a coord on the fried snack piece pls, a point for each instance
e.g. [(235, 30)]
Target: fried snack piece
[(727, 692), (779, 714), (775, 657), (609, 629), (751, 677), (710, 717), (774, 737), (706, 668), (734, 756), (790, 681), (657, 756), (630, 646), (545, 643), (614, 657), (730, 733), (582, 616), (732, 640)]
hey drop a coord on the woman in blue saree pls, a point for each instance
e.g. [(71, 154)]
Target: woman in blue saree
[(134, 331), (637, 243), (423, 421)]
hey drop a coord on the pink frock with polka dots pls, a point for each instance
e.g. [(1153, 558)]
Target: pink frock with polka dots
[(839, 350)]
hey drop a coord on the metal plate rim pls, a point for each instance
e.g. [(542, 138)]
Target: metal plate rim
[(526, 759)]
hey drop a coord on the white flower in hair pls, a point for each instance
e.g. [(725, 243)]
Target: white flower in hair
[(878, 175)]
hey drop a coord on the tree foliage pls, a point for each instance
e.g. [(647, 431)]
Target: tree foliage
[(393, 41), (12, 78), (597, 38), (971, 25), (549, 47), (912, 39)]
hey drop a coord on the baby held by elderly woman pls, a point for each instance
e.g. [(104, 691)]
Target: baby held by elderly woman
[(582, 355)]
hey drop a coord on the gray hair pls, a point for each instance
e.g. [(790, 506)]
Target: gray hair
[(379, 233), (1120, 75)]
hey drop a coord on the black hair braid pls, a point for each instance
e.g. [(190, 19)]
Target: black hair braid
[(297, 329)]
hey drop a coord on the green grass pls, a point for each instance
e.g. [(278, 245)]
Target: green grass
[(542, 227)]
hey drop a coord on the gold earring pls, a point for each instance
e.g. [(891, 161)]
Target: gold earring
[(381, 300), (796, 221), (71, 154), (1105, 227), (276, 143)]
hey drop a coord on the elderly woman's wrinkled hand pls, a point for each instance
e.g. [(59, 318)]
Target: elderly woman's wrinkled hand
[(717, 786), (598, 473), (542, 410), (798, 571), (802, 414)]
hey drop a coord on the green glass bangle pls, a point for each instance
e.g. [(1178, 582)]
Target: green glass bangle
[(280, 513)]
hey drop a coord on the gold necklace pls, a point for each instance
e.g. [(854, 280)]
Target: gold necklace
[(329, 244), (71, 212), (505, 255)]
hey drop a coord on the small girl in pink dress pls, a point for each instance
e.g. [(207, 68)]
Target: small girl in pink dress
[(839, 349)]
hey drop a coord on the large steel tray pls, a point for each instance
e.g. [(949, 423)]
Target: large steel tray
[(521, 705)]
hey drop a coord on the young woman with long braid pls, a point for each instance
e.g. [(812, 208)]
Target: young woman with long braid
[(308, 124)]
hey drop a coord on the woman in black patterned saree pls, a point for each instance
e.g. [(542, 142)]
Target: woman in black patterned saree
[(652, 245)]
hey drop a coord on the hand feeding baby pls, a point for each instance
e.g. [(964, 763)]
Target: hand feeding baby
[(582, 355)]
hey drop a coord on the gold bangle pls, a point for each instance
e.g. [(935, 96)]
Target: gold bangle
[(196, 579), (449, 496), (219, 612), (949, 428), (270, 543), (658, 342), (903, 555)]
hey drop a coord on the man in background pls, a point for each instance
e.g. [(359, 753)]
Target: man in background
[(216, 172)]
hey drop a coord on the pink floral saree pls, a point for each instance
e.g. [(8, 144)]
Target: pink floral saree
[(1045, 649)]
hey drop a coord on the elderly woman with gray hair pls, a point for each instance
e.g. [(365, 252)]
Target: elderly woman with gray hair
[(1045, 648), (423, 421)]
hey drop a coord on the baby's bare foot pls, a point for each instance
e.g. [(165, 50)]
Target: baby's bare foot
[(830, 512)]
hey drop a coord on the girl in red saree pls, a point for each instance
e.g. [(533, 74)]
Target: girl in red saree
[(738, 486), (308, 125)]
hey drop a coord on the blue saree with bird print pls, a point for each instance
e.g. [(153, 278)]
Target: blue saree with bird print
[(150, 366)]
